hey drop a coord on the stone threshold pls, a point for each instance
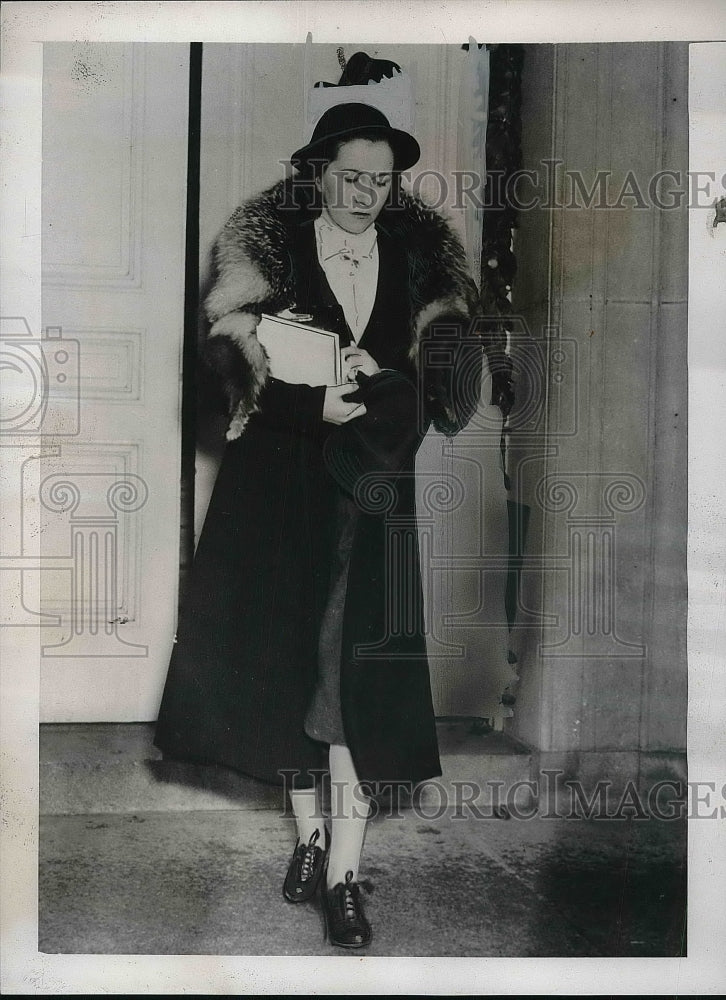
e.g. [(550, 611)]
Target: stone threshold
[(88, 768)]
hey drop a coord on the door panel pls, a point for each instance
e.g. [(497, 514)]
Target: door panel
[(114, 194)]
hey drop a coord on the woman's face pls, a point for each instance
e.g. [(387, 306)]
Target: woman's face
[(356, 184)]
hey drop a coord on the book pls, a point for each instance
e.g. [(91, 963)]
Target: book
[(300, 352)]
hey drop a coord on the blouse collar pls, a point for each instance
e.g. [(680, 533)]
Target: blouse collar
[(334, 241)]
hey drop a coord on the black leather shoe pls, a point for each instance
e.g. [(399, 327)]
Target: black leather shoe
[(345, 921), (306, 868)]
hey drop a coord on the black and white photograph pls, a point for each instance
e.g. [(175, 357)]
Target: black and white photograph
[(363, 544)]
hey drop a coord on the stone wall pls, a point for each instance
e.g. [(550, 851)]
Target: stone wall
[(599, 454)]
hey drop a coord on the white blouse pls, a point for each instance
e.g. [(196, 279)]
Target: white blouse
[(350, 263)]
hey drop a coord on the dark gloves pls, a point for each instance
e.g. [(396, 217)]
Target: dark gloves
[(377, 446)]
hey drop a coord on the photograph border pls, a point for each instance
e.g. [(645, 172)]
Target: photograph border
[(25, 26)]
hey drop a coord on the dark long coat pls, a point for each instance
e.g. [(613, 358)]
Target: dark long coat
[(245, 661)]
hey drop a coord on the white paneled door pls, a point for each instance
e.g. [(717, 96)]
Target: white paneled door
[(114, 203)]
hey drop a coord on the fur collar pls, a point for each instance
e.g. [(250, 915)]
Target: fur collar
[(253, 275)]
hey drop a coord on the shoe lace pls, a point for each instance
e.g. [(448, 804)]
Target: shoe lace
[(349, 898), (351, 891), (308, 859)]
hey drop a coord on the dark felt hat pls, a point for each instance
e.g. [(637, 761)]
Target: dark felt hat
[(344, 121)]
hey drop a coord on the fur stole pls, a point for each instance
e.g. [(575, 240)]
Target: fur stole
[(253, 276)]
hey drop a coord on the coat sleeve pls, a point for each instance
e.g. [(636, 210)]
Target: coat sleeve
[(249, 256), (291, 407), (450, 364), (240, 371), (236, 361), (447, 348)]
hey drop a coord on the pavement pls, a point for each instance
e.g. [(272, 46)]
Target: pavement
[(188, 881)]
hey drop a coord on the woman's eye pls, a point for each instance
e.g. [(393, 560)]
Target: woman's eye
[(380, 182)]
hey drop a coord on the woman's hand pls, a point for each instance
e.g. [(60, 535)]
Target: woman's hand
[(358, 360), (336, 410)]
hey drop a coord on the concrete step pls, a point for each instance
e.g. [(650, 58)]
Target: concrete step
[(115, 768)]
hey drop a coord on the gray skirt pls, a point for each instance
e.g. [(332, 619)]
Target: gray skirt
[(324, 719)]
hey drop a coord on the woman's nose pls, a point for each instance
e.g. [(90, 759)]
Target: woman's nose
[(363, 194)]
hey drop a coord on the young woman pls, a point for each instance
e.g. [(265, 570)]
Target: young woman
[(301, 647)]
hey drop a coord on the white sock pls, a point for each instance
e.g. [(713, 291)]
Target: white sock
[(349, 811), (308, 815)]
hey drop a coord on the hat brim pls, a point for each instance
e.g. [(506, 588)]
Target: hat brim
[(406, 150)]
